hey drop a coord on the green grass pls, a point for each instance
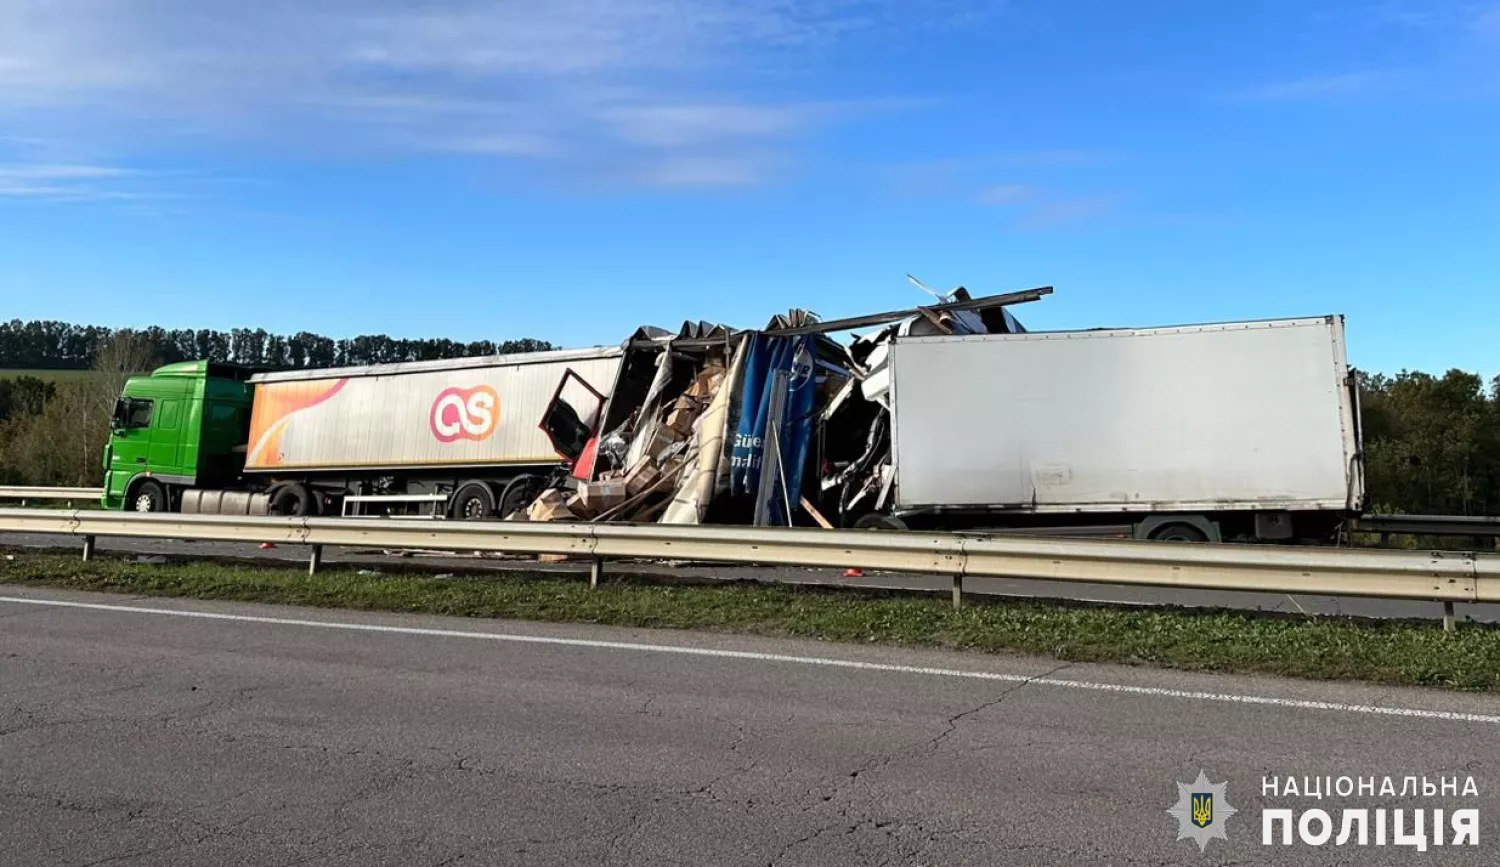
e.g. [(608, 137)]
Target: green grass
[(1321, 648)]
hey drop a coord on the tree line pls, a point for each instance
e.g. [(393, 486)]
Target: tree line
[(53, 430), (52, 345), (1432, 442)]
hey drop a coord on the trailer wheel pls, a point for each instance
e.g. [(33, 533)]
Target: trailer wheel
[(473, 502), (293, 501), (518, 494), (149, 496), (877, 521), (1178, 533)]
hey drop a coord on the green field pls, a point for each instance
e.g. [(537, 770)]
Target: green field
[(45, 375)]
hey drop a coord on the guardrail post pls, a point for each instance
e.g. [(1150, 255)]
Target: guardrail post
[(596, 571), (88, 548), (1450, 622), (314, 559), (958, 590)]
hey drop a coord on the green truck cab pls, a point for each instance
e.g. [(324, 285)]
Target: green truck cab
[(185, 425)]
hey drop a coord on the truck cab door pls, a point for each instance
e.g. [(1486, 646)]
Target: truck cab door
[(165, 455), (130, 450), (572, 417)]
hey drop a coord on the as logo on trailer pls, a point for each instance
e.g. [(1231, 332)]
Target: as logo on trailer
[(465, 413)]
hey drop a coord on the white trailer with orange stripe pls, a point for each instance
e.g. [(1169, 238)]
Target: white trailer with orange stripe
[(472, 436)]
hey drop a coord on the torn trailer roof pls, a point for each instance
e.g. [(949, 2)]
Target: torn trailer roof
[(711, 424)]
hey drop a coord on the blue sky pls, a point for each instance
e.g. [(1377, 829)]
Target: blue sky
[(570, 169)]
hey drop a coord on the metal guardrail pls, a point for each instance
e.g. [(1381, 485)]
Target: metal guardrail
[(1429, 525), (24, 493), (1442, 576)]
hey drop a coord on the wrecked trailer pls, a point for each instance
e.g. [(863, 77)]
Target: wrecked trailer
[(715, 425)]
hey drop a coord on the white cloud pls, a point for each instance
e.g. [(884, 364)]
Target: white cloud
[(59, 172), (1319, 86), (653, 83), (690, 124), (64, 182)]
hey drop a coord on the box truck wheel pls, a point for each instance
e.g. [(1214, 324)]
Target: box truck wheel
[(149, 496), (294, 501), (518, 493), (1179, 533), (473, 502), (877, 521)]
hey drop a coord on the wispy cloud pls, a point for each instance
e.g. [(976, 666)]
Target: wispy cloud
[(1315, 87), (1062, 212), (652, 83), (64, 183), (689, 172), (1005, 195)]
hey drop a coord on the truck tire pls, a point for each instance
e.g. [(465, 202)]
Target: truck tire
[(877, 521), (294, 501), (474, 501), (1178, 533), (518, 494), (149, 496)]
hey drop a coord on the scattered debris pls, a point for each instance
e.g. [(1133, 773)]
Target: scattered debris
[(714, 425)]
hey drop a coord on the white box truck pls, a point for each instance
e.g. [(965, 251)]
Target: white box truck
[(1206, 432)]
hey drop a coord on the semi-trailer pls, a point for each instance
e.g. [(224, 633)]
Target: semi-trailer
[(468, 438)]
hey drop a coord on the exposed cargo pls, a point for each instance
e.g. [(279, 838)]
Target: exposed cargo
[(452, 413)]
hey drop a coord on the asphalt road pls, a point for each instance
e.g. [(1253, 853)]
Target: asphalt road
[(270, 736), (374, 559)]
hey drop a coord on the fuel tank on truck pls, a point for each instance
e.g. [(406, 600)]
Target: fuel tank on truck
[(456, 412)]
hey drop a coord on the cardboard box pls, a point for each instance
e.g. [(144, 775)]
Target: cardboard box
[(707, 382), (641, 476), (578, 507), (682, 415), (662, 439), (601, 496), (551, 505)]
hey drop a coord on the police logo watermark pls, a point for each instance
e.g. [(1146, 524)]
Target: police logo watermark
[(1201, 811)]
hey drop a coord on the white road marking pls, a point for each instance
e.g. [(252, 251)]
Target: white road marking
[(827, 662)]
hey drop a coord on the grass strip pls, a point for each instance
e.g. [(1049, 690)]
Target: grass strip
[(1392, 652)]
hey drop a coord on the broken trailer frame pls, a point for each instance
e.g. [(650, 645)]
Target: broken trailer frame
[(716, 425)]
